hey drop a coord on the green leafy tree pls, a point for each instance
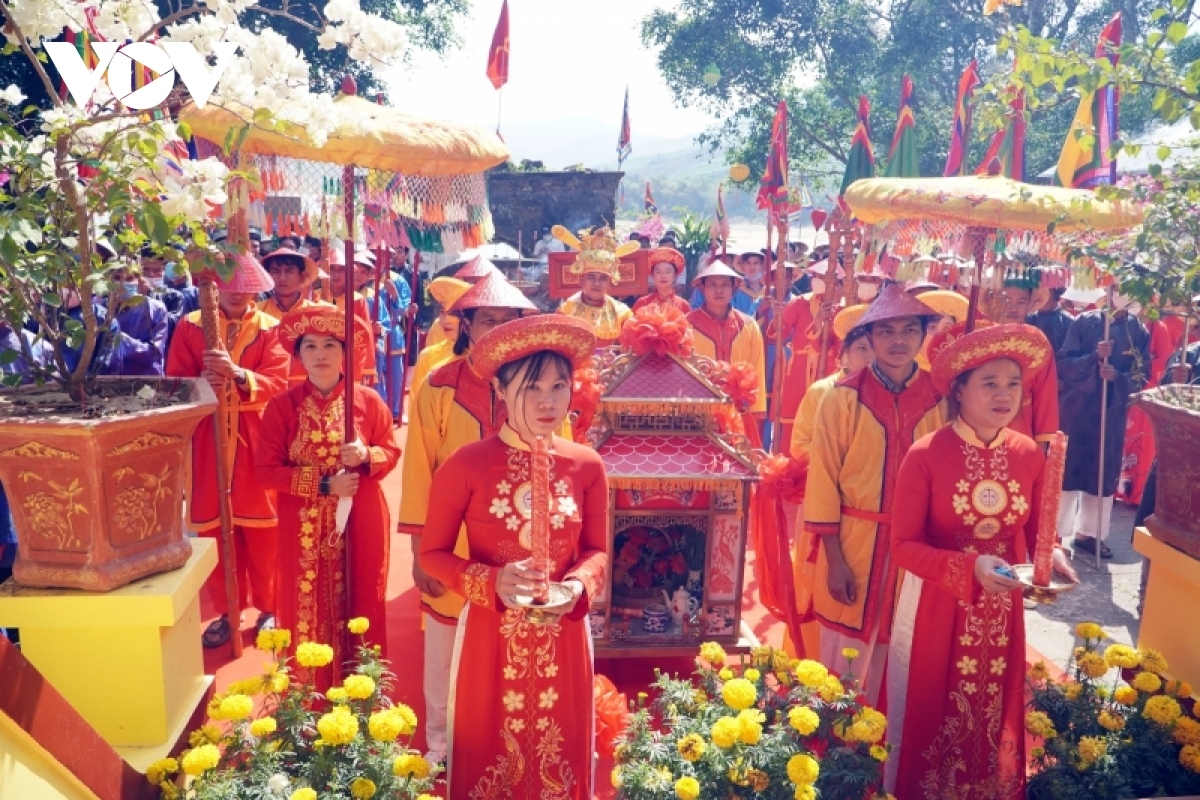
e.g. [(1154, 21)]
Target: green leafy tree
[(737, 58)]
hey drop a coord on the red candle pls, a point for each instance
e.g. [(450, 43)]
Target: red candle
[(540, 519), (1047, 534)]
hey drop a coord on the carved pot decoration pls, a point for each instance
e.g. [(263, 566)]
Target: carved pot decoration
[(1176, 518), (98, 503)]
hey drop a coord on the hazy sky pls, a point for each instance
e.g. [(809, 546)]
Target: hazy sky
[(568, 58)]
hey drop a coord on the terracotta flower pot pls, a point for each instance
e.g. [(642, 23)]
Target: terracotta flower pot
[(98, 503), (1176, 518)]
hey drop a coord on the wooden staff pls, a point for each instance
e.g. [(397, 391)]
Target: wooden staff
[(1108, 311), (213, 340), (777, 379), (348, 376), (978, 239)]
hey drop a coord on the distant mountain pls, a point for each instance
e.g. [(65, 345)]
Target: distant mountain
[(582, 140)]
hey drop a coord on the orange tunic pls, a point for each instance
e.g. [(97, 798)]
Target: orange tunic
[(656, 299), (521, 694), (298, 444), (803, 364), (254, 346)]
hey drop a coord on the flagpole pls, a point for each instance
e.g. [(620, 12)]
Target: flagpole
[(499, 108), (777, 379)]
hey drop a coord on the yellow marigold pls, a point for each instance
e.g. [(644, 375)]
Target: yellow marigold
[(758, 780), (271, 681), (1037, 752), (1072, 690), (811, 673), (803, 719), (1147, 682), (750, 724), (384, 726), (161, 769), (359, 687), (1038, 671), (1038, 724), (868, 726), (806, 792), (803, 769), (358, 625), (263, 727), (1162, 709), (1092, 665), (1089, 630), (1125, 695), (849, 653), (361, 788), (879, 752), (311, 654), (304, 794), (725, 732), (234, 707), (780, 661), (691, 747), (338, 728), (739, 693), (200, 760), (831, 689), (205, 734), (411, 764), (247, 686), (337, 695), (1120, 655), (407, 716), (1152, 660), (687, 788), (427, 797), (1186, 731), (1189, 756), (761, 655), (1110, 721), (752, 674), (615, 777), (725, 674), (713, 653), (1178, 688), (1091, 749)]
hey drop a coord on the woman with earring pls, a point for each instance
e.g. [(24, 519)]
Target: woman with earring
[(972, 499), (521, 716)]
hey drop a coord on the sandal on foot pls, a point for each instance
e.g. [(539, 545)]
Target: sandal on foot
[(217, 633)]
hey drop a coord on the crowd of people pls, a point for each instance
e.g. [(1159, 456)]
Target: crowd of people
[(924, 444)]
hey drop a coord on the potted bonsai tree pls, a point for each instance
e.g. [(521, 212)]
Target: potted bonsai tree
[(94, 467)]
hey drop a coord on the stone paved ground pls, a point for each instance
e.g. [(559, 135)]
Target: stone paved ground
[(1109, 597)]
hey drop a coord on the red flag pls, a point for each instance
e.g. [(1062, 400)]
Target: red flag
[(625, 140), (773, 194), (960, 137), (1008, 145), (497, 68), (651, 208)]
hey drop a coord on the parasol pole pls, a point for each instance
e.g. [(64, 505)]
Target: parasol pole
[(1100, 521), (777, 378), (348, 88)]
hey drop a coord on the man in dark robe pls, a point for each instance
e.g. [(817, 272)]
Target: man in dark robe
[(1086, 380), (1052, 319)]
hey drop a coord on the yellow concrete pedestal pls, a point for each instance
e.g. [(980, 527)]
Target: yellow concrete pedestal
[(129, 661), (1172, 596)]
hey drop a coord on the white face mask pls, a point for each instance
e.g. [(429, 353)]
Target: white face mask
[(154, 283), (818, 285), (867, 291)]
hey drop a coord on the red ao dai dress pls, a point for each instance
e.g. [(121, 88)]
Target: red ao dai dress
[(521, 716), (956, 670)]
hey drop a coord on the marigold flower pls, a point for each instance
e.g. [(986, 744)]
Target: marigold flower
[(750, 724), (1189, 756), (811, 673), (1178, 688), (338, 727), (615, 777), (803, 719), (752, 674), (1162, 709), (205, 734), (761, 655), (831, 689), (849, 653), (410, 765), (385, 726), (739, 693), (1186, 731), (1093, 665), (691, 747), (1089, 630), (273, 640), (1120, 655), (1125, 695), (358, 625), (234, 707), (806, 792), (337, 695), (803, 769), (725, 732), (725, 674), (1147, 682), (304, 794), (1110, 721), (687, 788), (868, 726), (359, 687), (1071, 690), (879, 752), (1038, 724), (1152, 660), (362, 788), (1038, 671), (757, 780), (1091, 750), (263, 727), (200, 760), (407, 716), (312, 655), (159, 770), (713, 653)]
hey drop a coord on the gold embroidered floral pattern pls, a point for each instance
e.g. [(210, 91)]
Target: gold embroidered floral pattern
[(475, 584)]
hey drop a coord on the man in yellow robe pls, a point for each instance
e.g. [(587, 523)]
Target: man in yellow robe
[(445, 292), (592, 304), (723, 333), (864, 425)]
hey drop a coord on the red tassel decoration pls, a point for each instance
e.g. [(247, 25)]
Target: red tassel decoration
[(540, 523), (1047, 534)]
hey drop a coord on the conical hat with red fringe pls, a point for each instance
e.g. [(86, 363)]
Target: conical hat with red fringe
[(307, 275), (514, 340), (494, 291), (477, 269), (717, 269), (894, 303), (1023, 344), (248, 277)]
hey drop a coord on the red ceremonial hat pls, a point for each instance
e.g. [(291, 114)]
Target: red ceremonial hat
[(327, 320), (248, 277), (570, 336), (940, 341), (477, 268), (494, 291), (310, 272), (893, 303), (667, 255), (717, 269), (1024, 344)]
